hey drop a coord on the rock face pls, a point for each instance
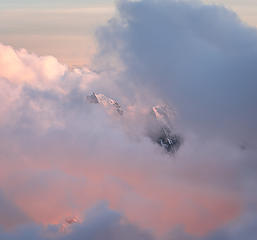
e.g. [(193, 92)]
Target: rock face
[(92, 98), (68, 222), (163, 114), (171, 142), (108, 103), (159, 122), (71, 220), (161, 130)]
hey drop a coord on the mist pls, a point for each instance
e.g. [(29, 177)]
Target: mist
[(85, 143)]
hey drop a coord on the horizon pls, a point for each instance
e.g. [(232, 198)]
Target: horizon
[(40, 26)]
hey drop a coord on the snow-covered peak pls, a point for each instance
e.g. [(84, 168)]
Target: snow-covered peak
[(158, 124), (109, 104), (164, 114)]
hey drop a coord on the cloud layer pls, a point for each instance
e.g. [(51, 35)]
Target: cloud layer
[(62, 156)]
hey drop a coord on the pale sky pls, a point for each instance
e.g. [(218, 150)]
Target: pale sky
[(52, 3), (65, 28)]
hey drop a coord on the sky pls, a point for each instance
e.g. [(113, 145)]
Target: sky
[(66, 28), (150, 135)]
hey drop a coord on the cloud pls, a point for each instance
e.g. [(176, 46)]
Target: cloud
[(61, 155), (21, 67), (10, 214), (102, 223), (200, 60), (187, 52)]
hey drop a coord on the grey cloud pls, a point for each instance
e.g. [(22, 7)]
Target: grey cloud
[(106, 224), (201, 58), (10, 215), (101, 223)]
